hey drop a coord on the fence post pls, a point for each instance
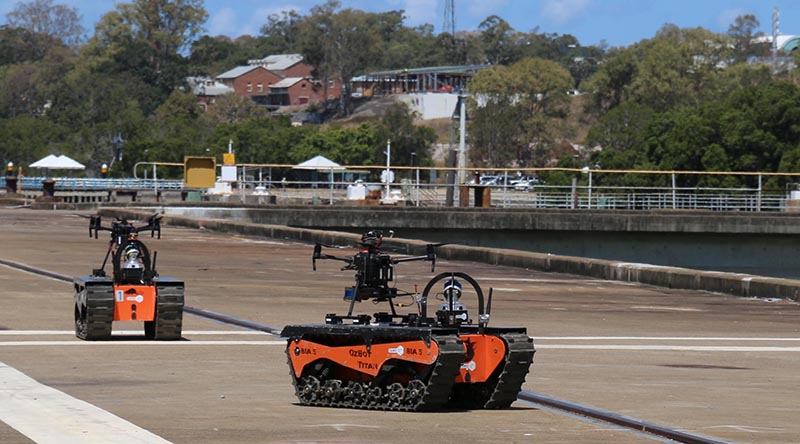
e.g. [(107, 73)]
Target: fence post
[(673, 191), (758, 197), (505, 187), (155, 182), (574, 192)]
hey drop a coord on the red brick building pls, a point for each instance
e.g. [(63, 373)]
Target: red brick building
[(249, 81), (279, 80)]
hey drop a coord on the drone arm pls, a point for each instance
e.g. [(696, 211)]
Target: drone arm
[(95, 225), (319, 255), (430, 255), (153, 225), (409, 259)]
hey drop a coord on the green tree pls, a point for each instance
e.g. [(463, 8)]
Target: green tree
[(534, 95), (212, 55), (19, 45), (282, 32), (743, 33), (341, 44), (60, 22), (497, 37), (398, 126), (25, 139), (147, 37), (351, 146), (621, 136)]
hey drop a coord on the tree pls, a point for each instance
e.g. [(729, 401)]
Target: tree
[(211, 55), (19, 45), (43, 17), (24, 139), (341, 44), (282, 32), (741, 31), (397, 125), (622, 130), (518, 109), (148, 37), (497, 39), (352, 146), (678, 67), (232, 108), (168, 26)]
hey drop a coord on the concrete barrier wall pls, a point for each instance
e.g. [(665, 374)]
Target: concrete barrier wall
[(671, 277)]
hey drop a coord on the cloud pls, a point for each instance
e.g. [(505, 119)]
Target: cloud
[(562, 11)]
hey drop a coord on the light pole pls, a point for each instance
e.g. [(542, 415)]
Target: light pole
[(416, 182), (388, 174)]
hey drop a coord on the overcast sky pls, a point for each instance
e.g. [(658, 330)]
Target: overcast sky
[(618, 22)]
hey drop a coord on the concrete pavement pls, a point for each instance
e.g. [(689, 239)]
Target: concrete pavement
[(706, 363)]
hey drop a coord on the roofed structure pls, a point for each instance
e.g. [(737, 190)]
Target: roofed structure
[(277, 62), (428, 79)]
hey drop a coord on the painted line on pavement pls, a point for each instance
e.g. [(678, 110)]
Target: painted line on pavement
[(129, 332), (703, 348), (137, 343), (537, 339), (618, 347), (655, 338), (48, 416)]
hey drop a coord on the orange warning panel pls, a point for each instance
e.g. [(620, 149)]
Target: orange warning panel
[(134, 302), (484, 354)]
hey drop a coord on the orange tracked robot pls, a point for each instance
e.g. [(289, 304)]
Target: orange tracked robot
[(135, 292), (412, 361)]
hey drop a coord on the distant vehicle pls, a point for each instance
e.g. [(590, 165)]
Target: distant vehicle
[(490, 180), (527, 184)]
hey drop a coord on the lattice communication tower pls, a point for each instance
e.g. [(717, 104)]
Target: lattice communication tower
[(449, 17)]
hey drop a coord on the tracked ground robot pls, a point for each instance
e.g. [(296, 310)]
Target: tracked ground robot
[(406, 362), (134, 292)]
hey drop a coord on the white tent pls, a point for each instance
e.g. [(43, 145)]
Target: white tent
[(320, 163), (62, 162)]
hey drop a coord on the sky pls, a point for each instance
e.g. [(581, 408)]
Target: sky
[(617, 22)]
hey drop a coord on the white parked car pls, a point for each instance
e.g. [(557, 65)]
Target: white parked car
[(526, 184)]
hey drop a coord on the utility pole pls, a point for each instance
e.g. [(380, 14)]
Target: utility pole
[(775, 32), (388, 165)]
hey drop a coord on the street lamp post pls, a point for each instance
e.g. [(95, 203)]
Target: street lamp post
[(416, 181)]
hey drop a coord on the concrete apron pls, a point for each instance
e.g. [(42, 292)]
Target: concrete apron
[(736, 284)]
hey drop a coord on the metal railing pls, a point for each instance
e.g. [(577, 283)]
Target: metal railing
[(96, 184), (585, 190)]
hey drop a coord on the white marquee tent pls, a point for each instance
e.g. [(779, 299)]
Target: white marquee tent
[(61, 162)]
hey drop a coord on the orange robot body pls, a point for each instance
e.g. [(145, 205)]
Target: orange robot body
[(484, 354), (134, 302)]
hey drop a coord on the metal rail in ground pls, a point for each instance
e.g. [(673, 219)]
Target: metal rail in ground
[(627, 422), (617, 419), (199, 312)]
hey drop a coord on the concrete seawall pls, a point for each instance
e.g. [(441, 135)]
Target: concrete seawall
[(671, 277)]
